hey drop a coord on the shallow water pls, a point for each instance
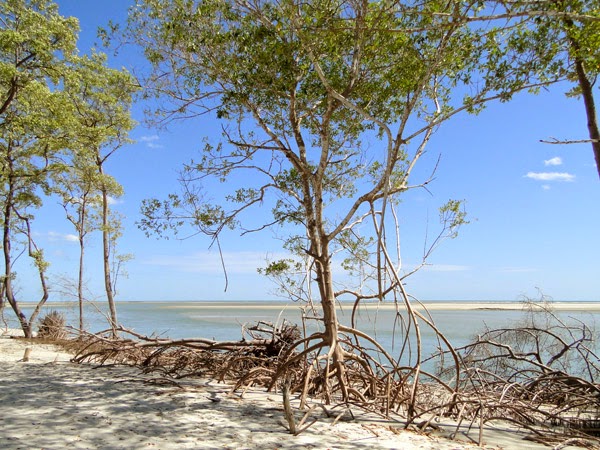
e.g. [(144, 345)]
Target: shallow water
[(225, 320)]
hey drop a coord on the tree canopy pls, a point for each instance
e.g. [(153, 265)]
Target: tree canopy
[(57, 109), (326, 107)]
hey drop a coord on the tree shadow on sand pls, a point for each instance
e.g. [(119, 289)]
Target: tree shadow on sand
[(56, 406)]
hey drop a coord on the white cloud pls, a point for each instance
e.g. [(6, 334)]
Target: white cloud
[(151, 141), (431, 267), (114, 201), (546, 187), (149, 138), (247, 262), (54, 236), (517, 269), (556, 161), (550, 176)]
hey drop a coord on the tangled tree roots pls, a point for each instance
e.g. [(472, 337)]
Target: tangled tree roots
[(246, 361), (541, 375), (371, 378), (271, 356)]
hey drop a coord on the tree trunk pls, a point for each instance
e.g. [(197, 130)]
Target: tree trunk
[(108, 286), (41, 272), (586, 91), (81, 224), (80, 282), (335, 364), (8, 275), (325, 283), (106, 257), (590, 110)]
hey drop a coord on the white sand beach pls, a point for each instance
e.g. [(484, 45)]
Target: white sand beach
[(50, 403)]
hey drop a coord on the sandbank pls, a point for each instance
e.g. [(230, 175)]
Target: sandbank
[(432, 306), (51, 403)]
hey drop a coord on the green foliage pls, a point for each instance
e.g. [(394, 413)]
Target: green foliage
[(161, 217), (544, 39), (39, 261), (101, 99), (453, 216), (357, 248), (278, 268), (53, 103), (35, 46), (328, 106), (61, 116)]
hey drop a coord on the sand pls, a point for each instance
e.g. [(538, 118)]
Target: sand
[(51, 403)]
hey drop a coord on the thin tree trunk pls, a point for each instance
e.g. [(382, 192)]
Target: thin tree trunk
[(8, 275), (106, 256), (106, 237), (586, 91), (80, 283), (41, 272), (8, 287), (2, 295), (82, 232)]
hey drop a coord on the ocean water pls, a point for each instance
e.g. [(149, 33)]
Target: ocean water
[(225, 320)]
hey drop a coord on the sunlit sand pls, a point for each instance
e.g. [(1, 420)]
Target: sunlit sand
[(51, 403)]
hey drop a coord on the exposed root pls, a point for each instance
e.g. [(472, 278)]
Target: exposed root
[(513, 375)]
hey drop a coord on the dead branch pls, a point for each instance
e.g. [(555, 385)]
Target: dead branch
[(541, 374), (567, 141)]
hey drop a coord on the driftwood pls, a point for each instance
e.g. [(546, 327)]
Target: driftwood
[(178, 358), (53, 326), (270, 355)]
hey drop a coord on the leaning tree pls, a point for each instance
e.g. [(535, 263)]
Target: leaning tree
[(326, 109)]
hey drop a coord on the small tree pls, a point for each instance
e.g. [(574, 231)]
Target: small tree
[(35, 44), (76, 188), (102, 99)]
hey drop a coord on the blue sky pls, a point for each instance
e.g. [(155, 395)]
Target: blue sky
[(533, 207)]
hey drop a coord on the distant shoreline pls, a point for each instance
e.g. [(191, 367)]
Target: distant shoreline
[(432, 306), (385, 306)]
